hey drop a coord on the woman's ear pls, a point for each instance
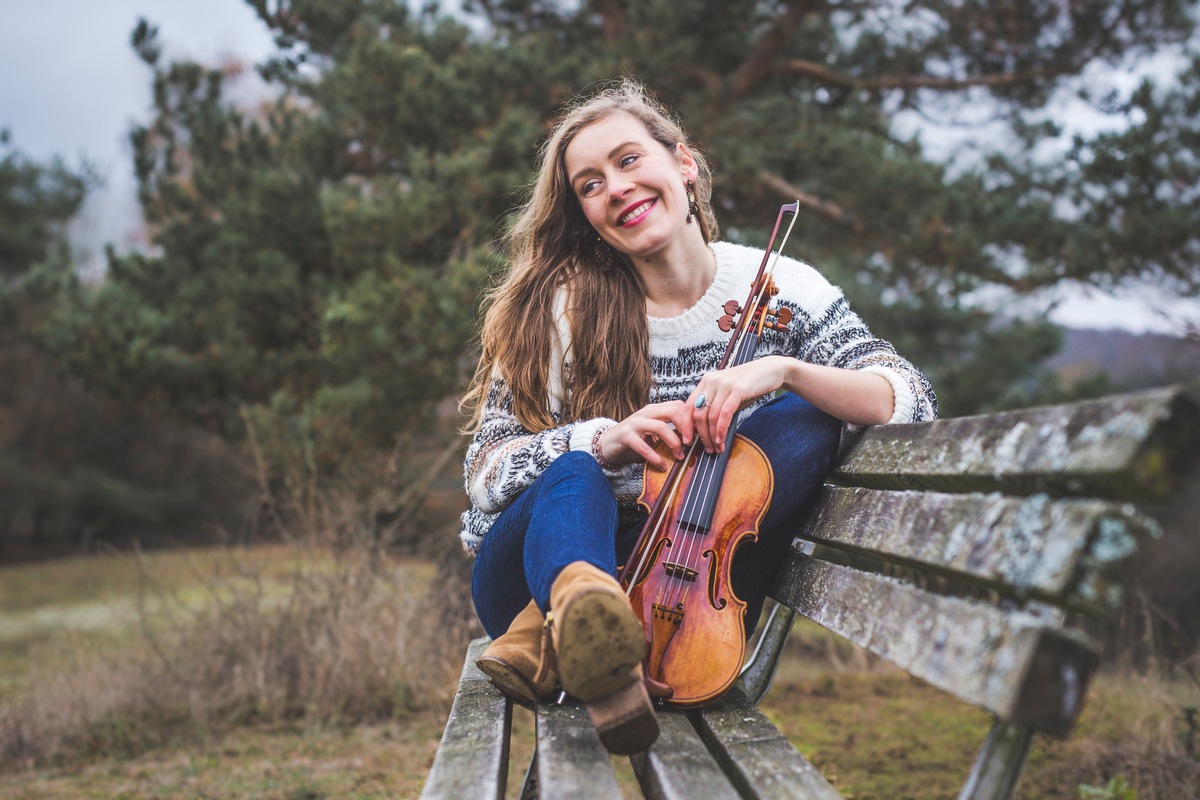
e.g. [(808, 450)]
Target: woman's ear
[(687, 164)]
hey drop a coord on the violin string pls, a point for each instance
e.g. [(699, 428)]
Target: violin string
[(671, 490), (693, 498), (703, 486), (701, 489)]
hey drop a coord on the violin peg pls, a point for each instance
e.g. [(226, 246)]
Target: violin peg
[(784, 316), (731, 307), (725, 323)]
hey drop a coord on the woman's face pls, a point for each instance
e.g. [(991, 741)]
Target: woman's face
[(631, 188)]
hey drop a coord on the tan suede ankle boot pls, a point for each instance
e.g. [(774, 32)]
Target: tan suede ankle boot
[(597, 640), (511, 662)]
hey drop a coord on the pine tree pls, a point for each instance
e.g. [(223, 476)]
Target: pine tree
[(322, 256)]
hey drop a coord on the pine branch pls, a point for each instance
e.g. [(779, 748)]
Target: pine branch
[(837, 80)]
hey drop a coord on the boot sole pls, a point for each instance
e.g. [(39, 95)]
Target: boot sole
[(509, 680), (599, 641)]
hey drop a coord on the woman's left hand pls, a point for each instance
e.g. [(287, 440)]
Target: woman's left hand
[(730, 390)]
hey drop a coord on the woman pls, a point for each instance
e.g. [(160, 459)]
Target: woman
[(602, 342)]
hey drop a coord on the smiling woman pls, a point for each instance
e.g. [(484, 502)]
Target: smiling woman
[(596, 350)]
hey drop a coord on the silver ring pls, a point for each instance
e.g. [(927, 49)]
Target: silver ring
[(701, 400)]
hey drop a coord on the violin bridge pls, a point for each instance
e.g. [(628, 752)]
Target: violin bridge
[(680, 571)]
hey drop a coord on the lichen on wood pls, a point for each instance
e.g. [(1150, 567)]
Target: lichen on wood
[(1017, 664), (1072, 552), (1136, 447), (472, 759)]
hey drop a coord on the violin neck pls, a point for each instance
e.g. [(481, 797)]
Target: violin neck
[(705, 485)]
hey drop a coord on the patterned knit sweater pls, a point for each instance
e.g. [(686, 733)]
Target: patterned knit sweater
[(505, 458)]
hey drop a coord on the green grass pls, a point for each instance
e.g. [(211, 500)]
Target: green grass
[(880, 734)]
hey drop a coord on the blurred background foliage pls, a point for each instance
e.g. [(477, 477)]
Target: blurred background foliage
[(317, 261)]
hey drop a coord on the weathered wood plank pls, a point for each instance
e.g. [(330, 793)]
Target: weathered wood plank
[(1136, 447), (1070, 552), (1014, 664), (760, 760), (571, 761), (472, 759), (678, 767)]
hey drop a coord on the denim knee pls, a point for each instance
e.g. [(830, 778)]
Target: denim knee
[(576, 472)]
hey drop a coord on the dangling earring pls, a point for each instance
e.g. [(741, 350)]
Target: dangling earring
[(693, 209), (603, 252)]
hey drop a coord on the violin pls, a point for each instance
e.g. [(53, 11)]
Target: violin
[(700, 511)]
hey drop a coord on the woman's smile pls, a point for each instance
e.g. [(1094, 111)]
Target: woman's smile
[(636, 214)]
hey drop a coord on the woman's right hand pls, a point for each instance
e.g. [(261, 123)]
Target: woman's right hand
[(632, 439)]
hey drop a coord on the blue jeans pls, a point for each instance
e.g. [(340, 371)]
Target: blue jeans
[(569, 514)]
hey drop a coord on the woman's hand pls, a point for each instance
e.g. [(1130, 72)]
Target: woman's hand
[(730, 390), (633, 438), (857, 397)]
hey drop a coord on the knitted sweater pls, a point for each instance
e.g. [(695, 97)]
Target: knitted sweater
[(505, 458)]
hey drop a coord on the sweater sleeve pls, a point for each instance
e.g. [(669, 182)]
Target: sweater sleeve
[(838, 337), (504, 458)]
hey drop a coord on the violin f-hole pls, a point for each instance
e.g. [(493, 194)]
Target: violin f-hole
[(717, 602)]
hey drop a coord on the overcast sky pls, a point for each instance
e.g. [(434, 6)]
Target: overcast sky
[(70, 85)]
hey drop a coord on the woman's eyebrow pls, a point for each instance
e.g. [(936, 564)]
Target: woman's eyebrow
[(611, 154)]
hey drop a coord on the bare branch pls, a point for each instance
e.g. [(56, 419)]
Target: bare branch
[(822, 74), (613, 16), (758, 64), (826, 208)]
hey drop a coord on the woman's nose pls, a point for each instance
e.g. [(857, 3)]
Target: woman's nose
[(618, 188)]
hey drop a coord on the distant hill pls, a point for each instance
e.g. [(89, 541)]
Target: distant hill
[(1132, 360)]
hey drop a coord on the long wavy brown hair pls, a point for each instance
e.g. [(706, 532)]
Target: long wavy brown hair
[(553, 247)]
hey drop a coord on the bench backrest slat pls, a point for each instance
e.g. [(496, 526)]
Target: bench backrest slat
[(1067, 552), (1126, 447), (1014, 664), (472, 759)]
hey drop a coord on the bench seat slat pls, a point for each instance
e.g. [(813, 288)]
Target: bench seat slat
[(761, 760), (1010, 663), (1068, 552), (1135, 446), (570, 755), (472, 759), (678, 767)]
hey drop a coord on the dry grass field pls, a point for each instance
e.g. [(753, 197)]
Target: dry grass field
[(298, 674)]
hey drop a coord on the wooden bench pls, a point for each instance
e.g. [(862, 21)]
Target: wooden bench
[(975, 553)]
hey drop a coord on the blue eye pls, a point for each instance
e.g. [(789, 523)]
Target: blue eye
[(588, 187), (625, 161)]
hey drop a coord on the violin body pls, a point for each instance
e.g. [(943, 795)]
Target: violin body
[(694, 621)]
